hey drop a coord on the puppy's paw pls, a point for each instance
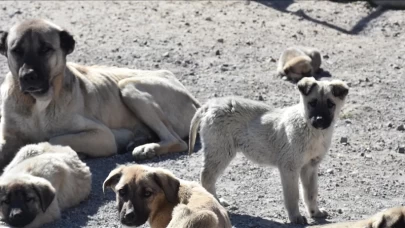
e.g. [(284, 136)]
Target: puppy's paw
[(319, 214), (146, 151), (299, 219)]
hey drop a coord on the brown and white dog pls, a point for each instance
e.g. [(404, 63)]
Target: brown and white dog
[(156, 195)]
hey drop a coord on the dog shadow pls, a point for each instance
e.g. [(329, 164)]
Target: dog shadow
[(243, 221)]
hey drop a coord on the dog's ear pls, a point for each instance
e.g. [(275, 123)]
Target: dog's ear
[(169, 183), (113, 178), (46, 193), (3, 43), (339, 89), (306, 85), (67, 42)]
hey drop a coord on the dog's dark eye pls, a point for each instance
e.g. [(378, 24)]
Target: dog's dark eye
[(312, 103), (45, 50), (29, 199), (18, 51), (122, 192), (147, 194), (330, 104)]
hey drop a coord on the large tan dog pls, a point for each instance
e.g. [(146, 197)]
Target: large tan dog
[(390, 218), (41, 181), (98, 111), (156, 195)]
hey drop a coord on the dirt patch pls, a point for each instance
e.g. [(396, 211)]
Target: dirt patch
[(224, 48)]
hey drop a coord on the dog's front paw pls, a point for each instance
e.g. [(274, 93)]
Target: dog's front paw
[(146, 151), (319, 214), (299, 219)]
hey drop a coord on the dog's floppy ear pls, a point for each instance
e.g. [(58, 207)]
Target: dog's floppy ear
[(339, 89), (305, 85), (46, 193), (113, 178), (3, 43), (168, 183), (67, 42)]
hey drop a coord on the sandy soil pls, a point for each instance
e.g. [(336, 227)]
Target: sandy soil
[(223, 48)]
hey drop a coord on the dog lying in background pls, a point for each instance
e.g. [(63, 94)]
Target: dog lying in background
[(390, 218), (156, 195), (294, 139), (298, 62), (40, 182)]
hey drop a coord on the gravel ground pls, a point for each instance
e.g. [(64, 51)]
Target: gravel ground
[(223, 48)]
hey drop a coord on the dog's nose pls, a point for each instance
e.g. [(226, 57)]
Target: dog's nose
[(16, 213), (29, 76), (130, 215), (319, 120)]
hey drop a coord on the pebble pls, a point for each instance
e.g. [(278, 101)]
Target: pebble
[(389, 125), (218, 52), (166, 54), (340, 211), (330, 171), (401, 150), (260, 98), (343, 140), (208, 19), (401, 127), (220, 40)]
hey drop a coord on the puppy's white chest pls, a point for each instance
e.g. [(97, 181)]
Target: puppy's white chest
[(317, 147)]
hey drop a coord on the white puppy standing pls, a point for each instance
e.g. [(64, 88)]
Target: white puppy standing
[(294, 139)]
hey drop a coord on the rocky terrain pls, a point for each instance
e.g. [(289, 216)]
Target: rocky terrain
[(221, 48)]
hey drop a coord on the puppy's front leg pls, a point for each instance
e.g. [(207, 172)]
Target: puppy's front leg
[(289, 180), (309, 179)]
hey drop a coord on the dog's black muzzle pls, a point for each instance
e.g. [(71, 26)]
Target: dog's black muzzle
[(31, 82)]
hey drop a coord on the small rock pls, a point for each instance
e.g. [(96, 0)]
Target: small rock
[(224, 67), (401, 127), (208, 19), (326, 56), (348, 121), (343, 140), (340, 211), (187, 24), (233, 208), (401, 150), (330, 171), (220, 40), (218, 52), (249, 43), (4, 8), (260, 98), (166, 54), (389, 125)]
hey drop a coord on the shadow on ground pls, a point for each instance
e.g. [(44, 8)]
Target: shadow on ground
[(282, 6)]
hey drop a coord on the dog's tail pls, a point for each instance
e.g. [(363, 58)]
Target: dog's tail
[(195, 123)]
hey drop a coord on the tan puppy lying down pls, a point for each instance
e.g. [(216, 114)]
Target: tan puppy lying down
[(156, 195), (40, 182)]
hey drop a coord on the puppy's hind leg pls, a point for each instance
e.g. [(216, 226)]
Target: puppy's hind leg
[(309, 179), (289, 180), (216, 158)]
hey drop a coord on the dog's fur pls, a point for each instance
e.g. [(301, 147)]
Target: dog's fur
[(97, 111), (156, 195), (298, 62), (390, 218), (295, 139), (40, 182)]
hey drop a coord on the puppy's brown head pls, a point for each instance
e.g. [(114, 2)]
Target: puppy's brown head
[(36, 51), (23, 198), (298, 68), (141, 191), (322, 100)]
